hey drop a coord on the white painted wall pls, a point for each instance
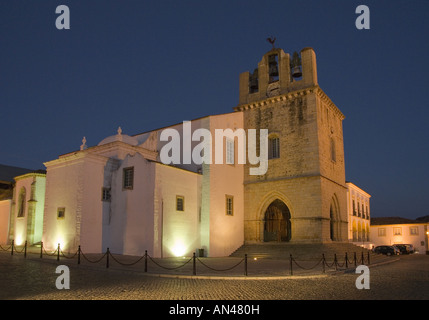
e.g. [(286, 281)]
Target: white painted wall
[(177, 233), (131, 227), (63, 189), (219, 234), (74, 182), (226, 233), (5, 211)]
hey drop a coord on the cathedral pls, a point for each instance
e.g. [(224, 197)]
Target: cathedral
[(120, 194)]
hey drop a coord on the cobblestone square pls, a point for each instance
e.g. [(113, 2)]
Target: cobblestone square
[(32, 278)]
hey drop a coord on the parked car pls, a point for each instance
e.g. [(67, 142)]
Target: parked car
[(410, 248), (403, 249), (387, 250)]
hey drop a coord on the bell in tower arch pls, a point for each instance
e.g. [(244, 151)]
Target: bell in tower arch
[(273, 69), (253, 82), (296, 65)]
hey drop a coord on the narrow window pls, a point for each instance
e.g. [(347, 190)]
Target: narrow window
[(128, 178), (61, 213), (105, 194), (354, 208), (229, 205), (333, 152), (180, 203), (21, 202), (274, 148), (229, 151)]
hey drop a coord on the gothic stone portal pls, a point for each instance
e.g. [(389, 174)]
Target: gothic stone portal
[(277, 225)]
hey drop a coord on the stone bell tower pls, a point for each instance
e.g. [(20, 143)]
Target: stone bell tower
[(302, 196)]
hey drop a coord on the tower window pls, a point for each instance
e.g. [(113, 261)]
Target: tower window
[(273, 148), (333, 152)]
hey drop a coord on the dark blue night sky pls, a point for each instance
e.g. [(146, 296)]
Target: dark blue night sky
[(143, 65)]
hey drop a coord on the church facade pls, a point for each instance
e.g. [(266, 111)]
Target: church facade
[(122, 195), (303, 194)]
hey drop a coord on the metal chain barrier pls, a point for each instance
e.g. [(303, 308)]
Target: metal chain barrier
[(58, 252), (7, 249), (93, 261), (126, 264), (69, 257), (304, 268), (220, 270), (169, 268)]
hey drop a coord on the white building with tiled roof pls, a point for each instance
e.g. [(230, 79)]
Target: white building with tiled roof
[(397, 230)]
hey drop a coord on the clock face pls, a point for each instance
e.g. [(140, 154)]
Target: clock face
[(273, 89)]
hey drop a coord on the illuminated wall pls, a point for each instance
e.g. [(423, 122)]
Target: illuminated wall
[(358, 208), (27, 213), (216, 232), (5, 208), (177, 227)]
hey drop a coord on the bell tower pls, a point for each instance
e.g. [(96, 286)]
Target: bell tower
[(278, 73), (302, 196)]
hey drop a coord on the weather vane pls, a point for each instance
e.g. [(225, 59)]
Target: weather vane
[(271, 40)]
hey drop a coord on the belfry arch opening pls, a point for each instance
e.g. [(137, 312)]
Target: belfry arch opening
[(277, 225)]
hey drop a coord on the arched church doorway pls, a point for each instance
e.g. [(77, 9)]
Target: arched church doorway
[(277, 225)]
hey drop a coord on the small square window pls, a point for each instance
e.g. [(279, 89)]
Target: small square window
[(128, 178), (381, 232), (397, 231), (61, 213), (105, 194), (180, 203), (229, 205), (414, 231)]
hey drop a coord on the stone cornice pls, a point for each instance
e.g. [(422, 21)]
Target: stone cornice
[(290, 96), (351, 186), (116, 145), (282, 97), (324, 97), (303, 176), (75, 157)]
